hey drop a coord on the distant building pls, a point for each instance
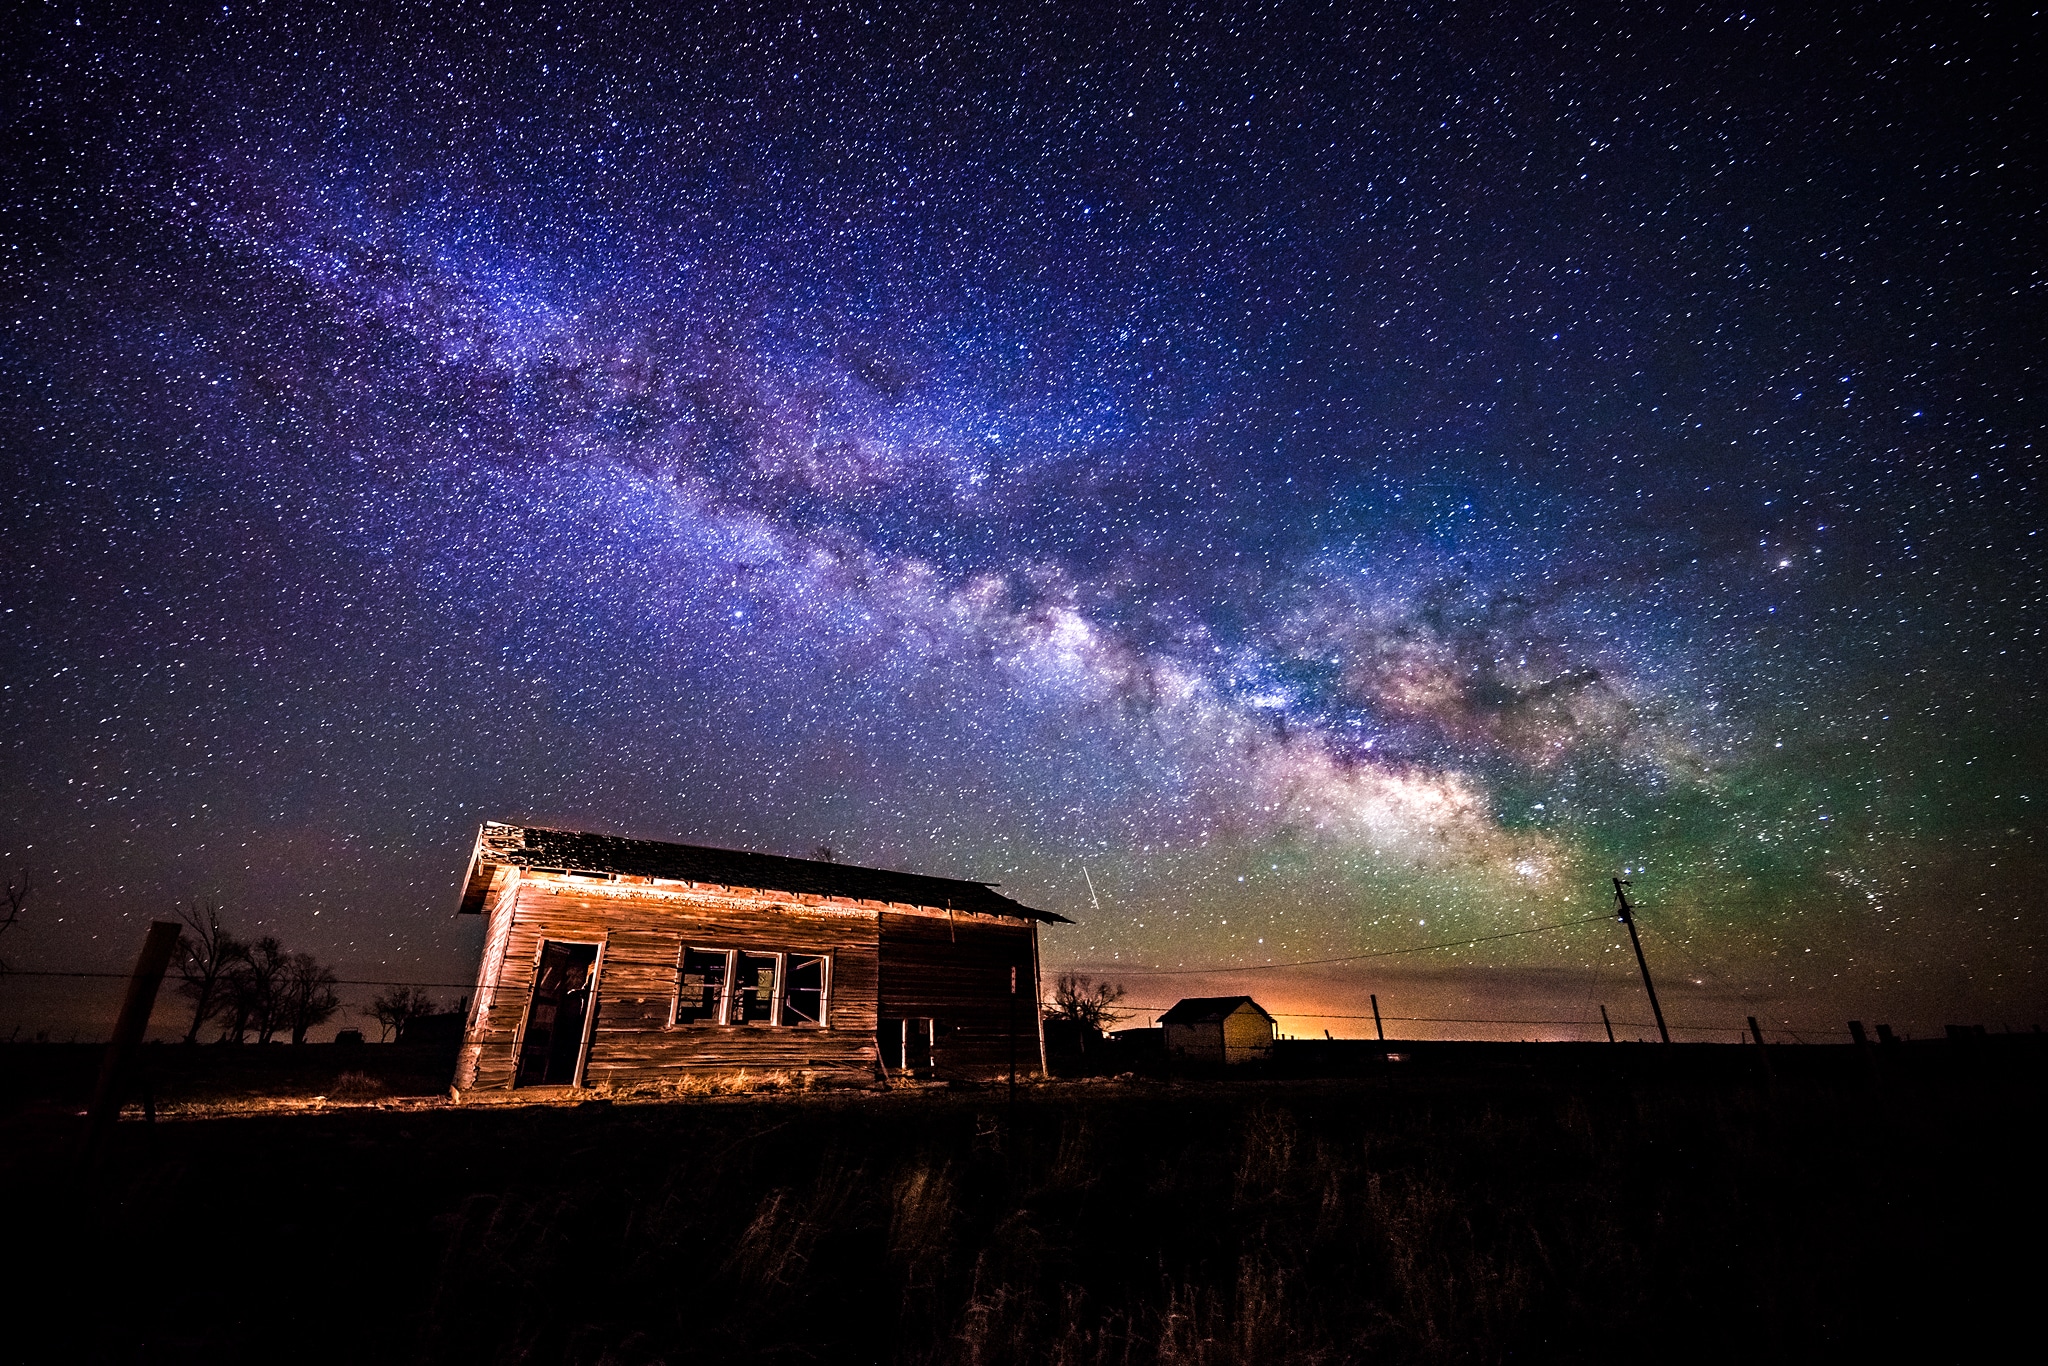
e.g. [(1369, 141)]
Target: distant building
[(440, 1030), (1227, 1029), (629, 961)]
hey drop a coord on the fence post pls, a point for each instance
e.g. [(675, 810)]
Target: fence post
[(157, 948), (1761, 1051)]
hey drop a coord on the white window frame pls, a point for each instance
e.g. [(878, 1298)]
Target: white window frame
[(728, 993), (824, 993), (675, 1002)]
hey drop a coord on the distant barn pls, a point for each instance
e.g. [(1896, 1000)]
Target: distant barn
[(625, 961), (1226, 1029)]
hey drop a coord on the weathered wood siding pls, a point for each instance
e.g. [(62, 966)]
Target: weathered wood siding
[(1247, 1036), (499, 902), (1244, 1035), (643, 929), (956, 972), (1202, 1041)]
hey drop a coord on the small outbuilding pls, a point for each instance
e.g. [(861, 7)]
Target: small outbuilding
[(1227, 1029)]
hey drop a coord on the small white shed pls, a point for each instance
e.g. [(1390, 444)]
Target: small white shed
[(1227, 1029)]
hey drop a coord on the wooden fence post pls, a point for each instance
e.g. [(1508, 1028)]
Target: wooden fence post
[(1761, 1051), (157, 948)]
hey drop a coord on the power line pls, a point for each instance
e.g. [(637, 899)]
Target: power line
[(1358, 957), (1127, 972), (1484, 1019), (339, 981), (1281, 1014)]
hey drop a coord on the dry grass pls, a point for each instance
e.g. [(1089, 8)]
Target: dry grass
[(357, 1086), (1219, 1225), (708, 1085)]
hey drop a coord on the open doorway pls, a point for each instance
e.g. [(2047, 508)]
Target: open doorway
[(553, 1044), (906, 1045)]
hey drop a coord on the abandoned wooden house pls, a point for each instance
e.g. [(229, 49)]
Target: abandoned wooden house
[(1228, 1029), (621, 961)]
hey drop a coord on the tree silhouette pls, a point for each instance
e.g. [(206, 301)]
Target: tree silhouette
[(397, 1008), (266, 968), (307, 996), (1081, 1001), (249, 992), (18, 889), (207, 954)]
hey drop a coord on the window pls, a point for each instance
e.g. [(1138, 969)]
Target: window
[(803, 992), (701, 997), (752, 987)]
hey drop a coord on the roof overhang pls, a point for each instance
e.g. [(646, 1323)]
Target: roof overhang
[(501, 851)]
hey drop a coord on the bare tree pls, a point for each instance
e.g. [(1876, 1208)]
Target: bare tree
[(268, 964), (18, 889), (238, 1000), (1085, 1003), (399, 1007), (207, 954), (249, 993), (307, 997)]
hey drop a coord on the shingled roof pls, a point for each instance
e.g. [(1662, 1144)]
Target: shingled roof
[(575, 851)]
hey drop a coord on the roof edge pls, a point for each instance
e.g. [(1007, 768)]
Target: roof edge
[(476, 881)]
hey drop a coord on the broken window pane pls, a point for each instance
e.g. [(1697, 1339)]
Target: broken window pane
[(753, 996), (701, 995), (803, 992)]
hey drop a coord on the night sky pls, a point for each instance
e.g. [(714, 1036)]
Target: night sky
[(1350, 479)]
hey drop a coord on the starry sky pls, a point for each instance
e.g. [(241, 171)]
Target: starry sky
[(1349, 479)]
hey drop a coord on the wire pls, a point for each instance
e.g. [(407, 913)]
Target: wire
[(339, 981), (1358, 957), (1278, 1014), (1126, 972), (1482, 1019)]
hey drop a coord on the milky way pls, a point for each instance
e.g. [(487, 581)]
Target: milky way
[(1350, 480)]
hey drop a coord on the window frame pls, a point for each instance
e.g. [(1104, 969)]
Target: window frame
[(675, 1000), (732, 990), (728, 994), (824, 990)]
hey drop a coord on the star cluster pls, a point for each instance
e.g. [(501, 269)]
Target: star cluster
[(1348, 478)]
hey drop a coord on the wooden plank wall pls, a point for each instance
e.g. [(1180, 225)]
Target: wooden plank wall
[(957, 973), (500, 899), (644, 930)]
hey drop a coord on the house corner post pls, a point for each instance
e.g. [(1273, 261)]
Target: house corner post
[(1038, 1003)]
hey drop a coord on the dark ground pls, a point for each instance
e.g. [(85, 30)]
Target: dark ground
[(1474, 1203)]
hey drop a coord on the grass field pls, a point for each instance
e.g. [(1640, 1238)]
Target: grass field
[(1454, 1209)]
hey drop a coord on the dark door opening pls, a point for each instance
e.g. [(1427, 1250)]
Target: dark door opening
[(554, 1022), (906, 1045)]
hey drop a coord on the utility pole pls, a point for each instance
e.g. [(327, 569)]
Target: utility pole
[(1626, 914), (1609, 1023), (1378, 1028)]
